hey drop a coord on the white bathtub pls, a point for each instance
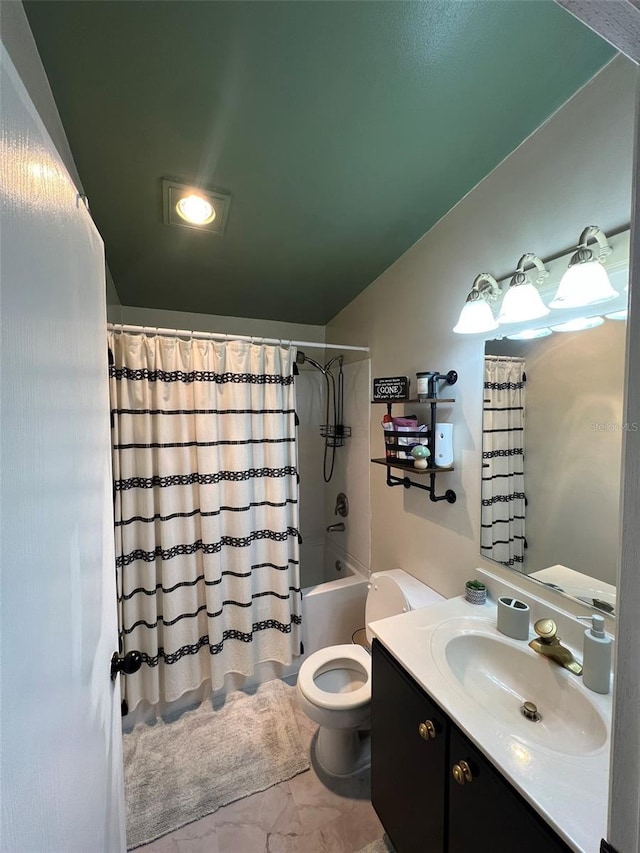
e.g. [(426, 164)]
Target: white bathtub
[(334, 609)]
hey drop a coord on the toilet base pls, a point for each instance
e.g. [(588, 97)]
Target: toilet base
[(342, 752)]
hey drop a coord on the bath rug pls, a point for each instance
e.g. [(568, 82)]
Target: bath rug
[(382, 845), (181, 768)]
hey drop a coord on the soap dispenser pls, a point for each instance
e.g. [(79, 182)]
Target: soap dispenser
[(596, 671)]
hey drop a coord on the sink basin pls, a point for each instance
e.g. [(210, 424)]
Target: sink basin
[(500, 675)]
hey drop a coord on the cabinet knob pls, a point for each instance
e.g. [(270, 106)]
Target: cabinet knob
[(427, 730), (462, 772)]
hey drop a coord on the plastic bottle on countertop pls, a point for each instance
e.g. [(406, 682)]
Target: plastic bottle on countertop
[(596, 666)]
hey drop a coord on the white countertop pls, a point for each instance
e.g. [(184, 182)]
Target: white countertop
[(569, 791)]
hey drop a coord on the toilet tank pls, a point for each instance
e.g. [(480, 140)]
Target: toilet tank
[(394, 592)]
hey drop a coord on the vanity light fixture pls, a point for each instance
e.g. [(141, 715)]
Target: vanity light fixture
[(579, 324), (617, 315), (586, 281), (530, 334), (522, 301), (192, 206), (476, 315)]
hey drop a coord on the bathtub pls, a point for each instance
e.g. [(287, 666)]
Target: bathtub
[(334, 608)]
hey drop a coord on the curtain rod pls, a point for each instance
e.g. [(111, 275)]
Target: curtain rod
[(220, 336), (505, 358)]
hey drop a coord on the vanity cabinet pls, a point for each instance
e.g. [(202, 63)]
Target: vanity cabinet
[(486, 813), (408, 758), (419, 802)]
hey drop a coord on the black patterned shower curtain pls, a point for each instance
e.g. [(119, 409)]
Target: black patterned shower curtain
[(206, 509)]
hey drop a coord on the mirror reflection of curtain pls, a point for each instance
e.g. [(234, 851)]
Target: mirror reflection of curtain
[(503, 500)]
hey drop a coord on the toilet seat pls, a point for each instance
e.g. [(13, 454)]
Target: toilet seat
[(341, 656)]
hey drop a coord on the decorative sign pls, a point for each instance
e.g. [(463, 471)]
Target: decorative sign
[(390, 388)]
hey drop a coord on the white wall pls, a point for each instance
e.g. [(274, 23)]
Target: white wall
[(576, 170), (216, 323), (351, 473), (61, 777), (21, 47), (310, 407), (350, 469), (624, 788)]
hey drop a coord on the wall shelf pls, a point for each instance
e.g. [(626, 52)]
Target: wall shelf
[(408, 466), (427, 401), (393, 437)]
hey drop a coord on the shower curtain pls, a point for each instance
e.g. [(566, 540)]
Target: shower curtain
[(206, 509), (503, 498)]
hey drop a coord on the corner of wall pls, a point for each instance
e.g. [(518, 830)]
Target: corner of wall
[(20, 44), (113, 299)]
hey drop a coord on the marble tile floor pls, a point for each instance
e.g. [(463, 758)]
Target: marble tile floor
[(302, 815)]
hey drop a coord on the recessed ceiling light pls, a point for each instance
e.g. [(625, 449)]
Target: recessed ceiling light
[(190, 206), (196, 210), (579, 324)]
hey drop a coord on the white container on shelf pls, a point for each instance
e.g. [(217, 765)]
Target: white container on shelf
[(444, 446)]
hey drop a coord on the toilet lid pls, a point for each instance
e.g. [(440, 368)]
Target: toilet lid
[(323, 658), (385, 598)]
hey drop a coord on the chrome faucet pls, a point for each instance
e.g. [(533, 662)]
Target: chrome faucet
[(336, 528), (342, 505), (547, 643)]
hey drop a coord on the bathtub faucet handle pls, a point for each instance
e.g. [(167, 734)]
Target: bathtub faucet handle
[(342, 505), (336, 528)]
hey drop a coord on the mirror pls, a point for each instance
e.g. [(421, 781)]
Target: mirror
[(552, 440)]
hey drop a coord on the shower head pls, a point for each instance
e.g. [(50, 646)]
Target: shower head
[(301, 358), (338, 358)]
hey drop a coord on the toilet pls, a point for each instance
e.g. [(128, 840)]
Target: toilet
[(334, 684)]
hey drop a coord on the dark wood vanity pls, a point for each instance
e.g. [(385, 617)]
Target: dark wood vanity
[(433, 790)]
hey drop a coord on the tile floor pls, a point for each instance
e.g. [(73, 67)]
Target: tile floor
[(302, 815)]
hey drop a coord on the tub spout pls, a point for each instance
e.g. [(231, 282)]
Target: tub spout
[(336, 528)]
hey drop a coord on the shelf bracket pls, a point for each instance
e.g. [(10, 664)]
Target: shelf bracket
[(449, 496)]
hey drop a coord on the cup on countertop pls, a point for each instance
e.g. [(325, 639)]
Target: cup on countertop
[(513, 618)]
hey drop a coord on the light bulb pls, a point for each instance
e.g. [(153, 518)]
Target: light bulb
[(585, 283), (617, 315), (579, 324), (530, 334), (196, 210), (476, 316), (522, 303)]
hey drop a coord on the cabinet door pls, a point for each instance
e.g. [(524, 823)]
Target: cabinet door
[(407, 769), (486, 813)]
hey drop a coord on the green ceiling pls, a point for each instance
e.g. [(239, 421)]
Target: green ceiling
[(342, 130)]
